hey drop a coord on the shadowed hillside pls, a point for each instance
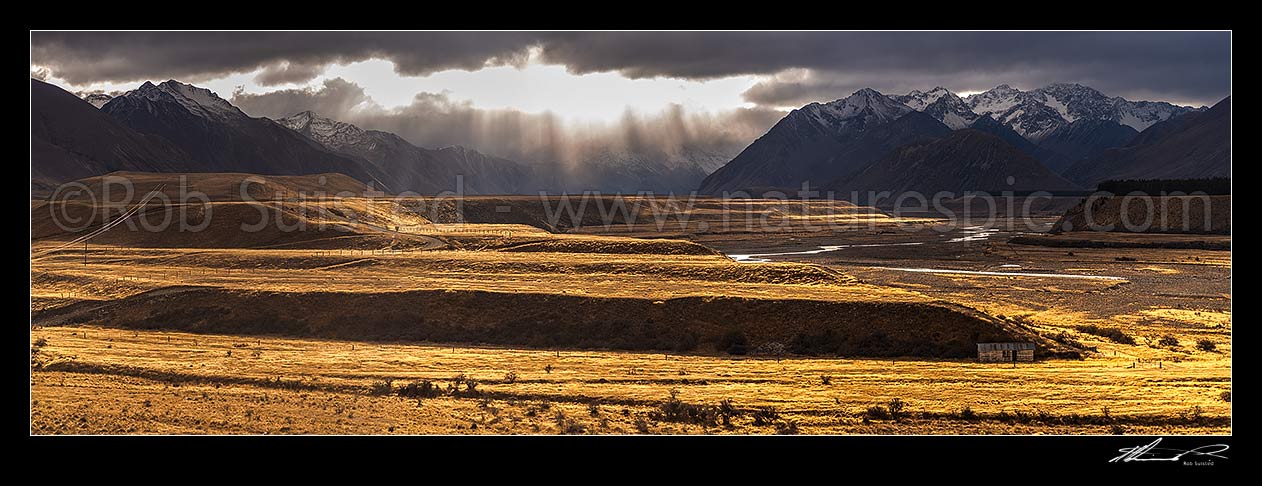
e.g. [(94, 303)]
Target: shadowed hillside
[(549, 320)]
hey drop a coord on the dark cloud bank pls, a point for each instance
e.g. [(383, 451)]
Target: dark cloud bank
[(1174, 66)]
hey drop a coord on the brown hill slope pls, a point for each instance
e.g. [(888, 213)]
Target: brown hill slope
[(551, 320), (216, 186), (1145, 214)]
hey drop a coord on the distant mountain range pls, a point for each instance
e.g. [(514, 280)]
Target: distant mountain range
[(212, 135), (820, 143), (1195, 145), (221, 138), (413, 168), (1050, 138), (176, 127), (1063, 136), (1038, 113)]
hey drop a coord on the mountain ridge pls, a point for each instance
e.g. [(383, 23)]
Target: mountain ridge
[(821, 142), (71, 139), (410, 167), (1194, 145), (222, 138)]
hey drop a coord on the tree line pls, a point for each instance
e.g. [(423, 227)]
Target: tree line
[(1211, 186)]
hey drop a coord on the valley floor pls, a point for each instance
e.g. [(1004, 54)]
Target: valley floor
[(113, 381), (143, 339)]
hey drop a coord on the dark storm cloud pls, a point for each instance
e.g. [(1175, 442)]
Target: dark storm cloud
[(288, 72), (435, 120), (1178, 65), (1192, 66), (83, 57), (335, 96)]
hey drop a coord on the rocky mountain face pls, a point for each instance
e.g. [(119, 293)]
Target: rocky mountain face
[(411, 168), (1194, 145), (941, 104), (97, 99), (1083, 138), (1057, 124), (871, 141), (1038, 113), (820, 143), (1049, 158), (1028, 115), (965, 160), (221, 138)]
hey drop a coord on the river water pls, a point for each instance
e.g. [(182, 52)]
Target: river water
[(969, 234)]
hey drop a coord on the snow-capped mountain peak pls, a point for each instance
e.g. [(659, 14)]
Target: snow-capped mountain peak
[(199, 101), (1031, 113), (299, 121), (942, 104), (1143, 114), (1074, 101), (328, 132), (918, 100), (1000, 90), (864, 107), (866, 98), (96, 99)]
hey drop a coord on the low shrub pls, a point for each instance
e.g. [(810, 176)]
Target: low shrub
[(383, 387), (641, 425), (1111, 333), (566, 425), (422, 389), (1064, 338), (787, 427), (1194, 415), (766, 415), (876, 412), (727, 412), (896, 408), (734, 343), (676, 410)]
